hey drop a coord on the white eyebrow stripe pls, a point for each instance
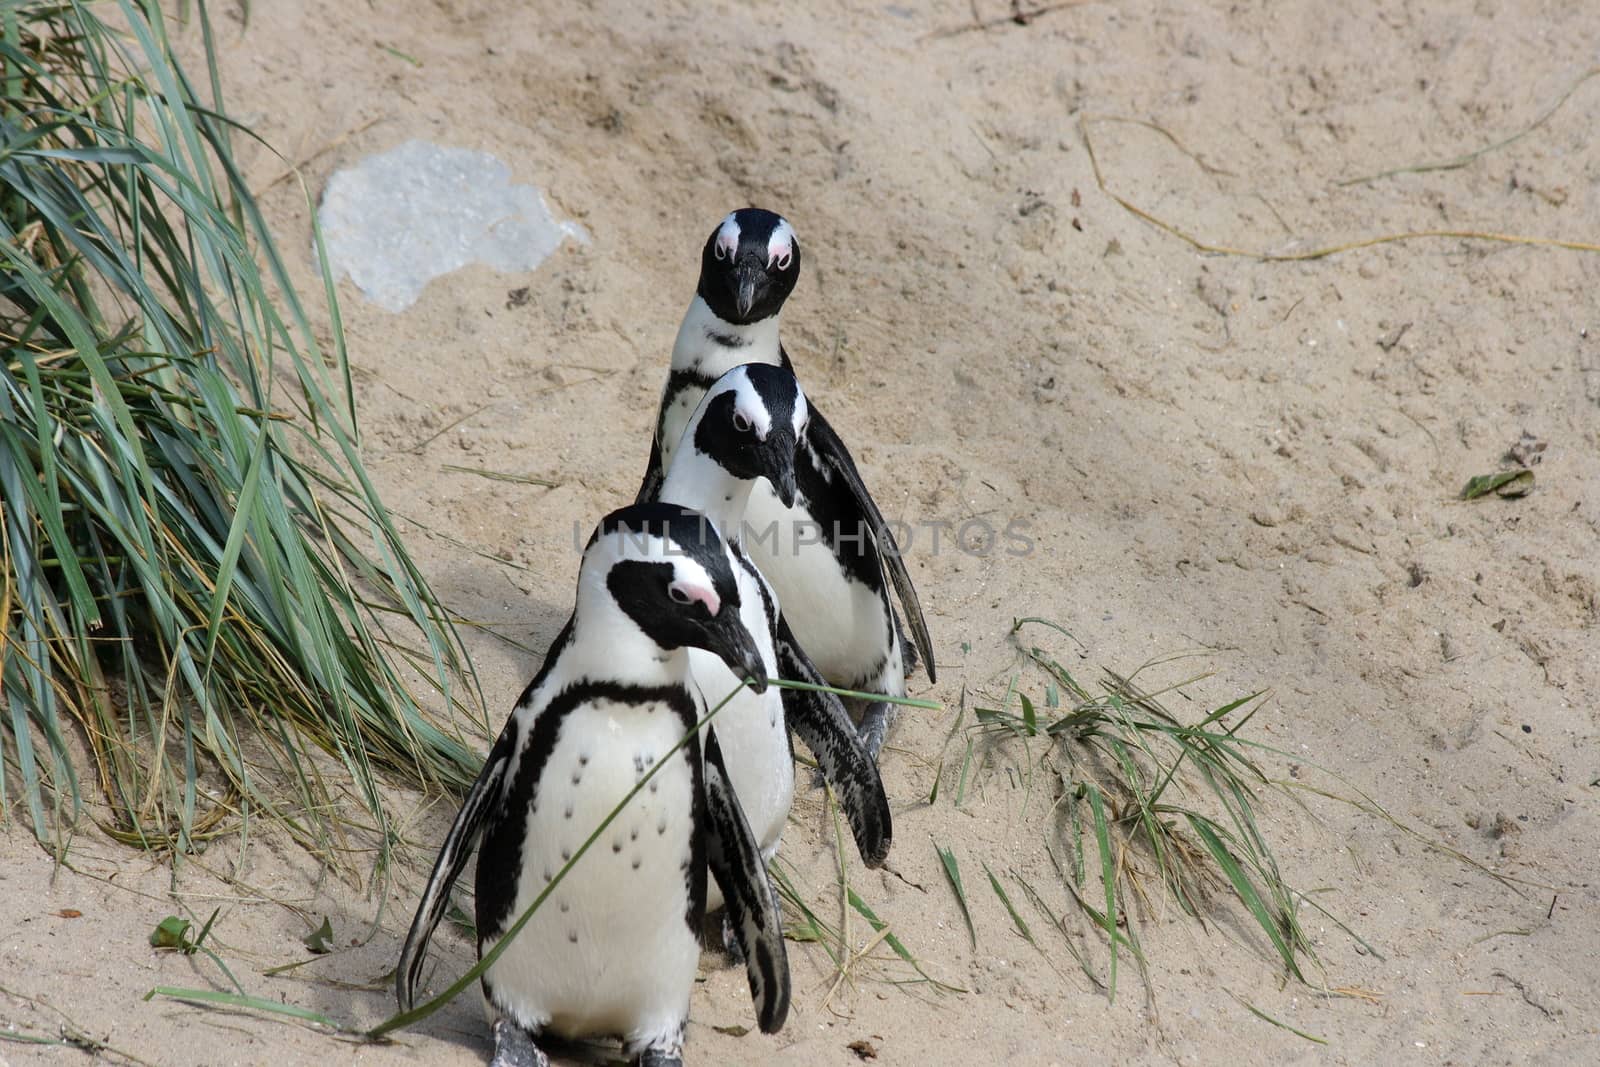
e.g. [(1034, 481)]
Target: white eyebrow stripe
[(693, 579), (728, 235), (781, 242), (747, 400)]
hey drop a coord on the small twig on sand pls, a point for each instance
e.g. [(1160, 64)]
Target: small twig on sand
[(1463, 160), (1018, 17), (69, 1032), (297, 168), (1199, 245)]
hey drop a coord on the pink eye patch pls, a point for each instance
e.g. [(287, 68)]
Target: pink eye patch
[(780, 246), (691, 593)]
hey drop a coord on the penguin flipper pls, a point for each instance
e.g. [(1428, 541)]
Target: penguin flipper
[(820, 721), (650, 487), (831, 450), (752, 903), (465, 833)]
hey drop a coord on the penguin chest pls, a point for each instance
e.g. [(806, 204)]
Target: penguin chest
[(611, 951), (676, 410), (842, 623), (751, 730)]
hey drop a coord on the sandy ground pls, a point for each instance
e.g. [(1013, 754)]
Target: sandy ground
[(1260, 458)]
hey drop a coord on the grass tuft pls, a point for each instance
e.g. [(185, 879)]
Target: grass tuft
[(1148, 809), (195, 571)]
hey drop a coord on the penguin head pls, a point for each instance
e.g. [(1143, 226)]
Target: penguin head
[(749, 266), (668, 570), (750, 423)]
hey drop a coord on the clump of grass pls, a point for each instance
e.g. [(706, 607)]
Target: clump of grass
[(195, 570), (1147, 808), (891, 962)]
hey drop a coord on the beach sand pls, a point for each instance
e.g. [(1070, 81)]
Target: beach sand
[(1258, 459)]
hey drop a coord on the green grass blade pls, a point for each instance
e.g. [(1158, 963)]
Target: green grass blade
[(894, 943), (1016, 919), (227, 565), (243, 1002), (1210, 836), (1018, 624), (1108, 880), (952, 872), (1060, 924), (815, 929), (857, 694), (961, 782), (1351, 934), (1263, 1016)]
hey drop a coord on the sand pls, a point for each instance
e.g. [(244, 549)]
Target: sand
[(1217, 452)]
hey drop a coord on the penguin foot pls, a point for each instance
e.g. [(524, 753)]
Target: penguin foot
[(908, 650), (514, 1047), (875, 727), (730, 940), (665, 1050)]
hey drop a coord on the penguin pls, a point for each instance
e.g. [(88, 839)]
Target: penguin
[(748, 425), (830, 557), (614, 949)]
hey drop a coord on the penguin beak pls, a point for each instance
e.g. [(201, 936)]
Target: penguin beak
[(746, 278), (729, 639), (783, 484)]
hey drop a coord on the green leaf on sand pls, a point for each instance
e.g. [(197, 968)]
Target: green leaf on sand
[(1505, 484), (169, 933), (320, 940)]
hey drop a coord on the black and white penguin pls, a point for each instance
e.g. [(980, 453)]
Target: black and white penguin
[(830, 557), (614, 949), (748, 426)]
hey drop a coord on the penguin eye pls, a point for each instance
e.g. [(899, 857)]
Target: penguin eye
[(677, 594), (741, 423), (716, 251), (784, 259)]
